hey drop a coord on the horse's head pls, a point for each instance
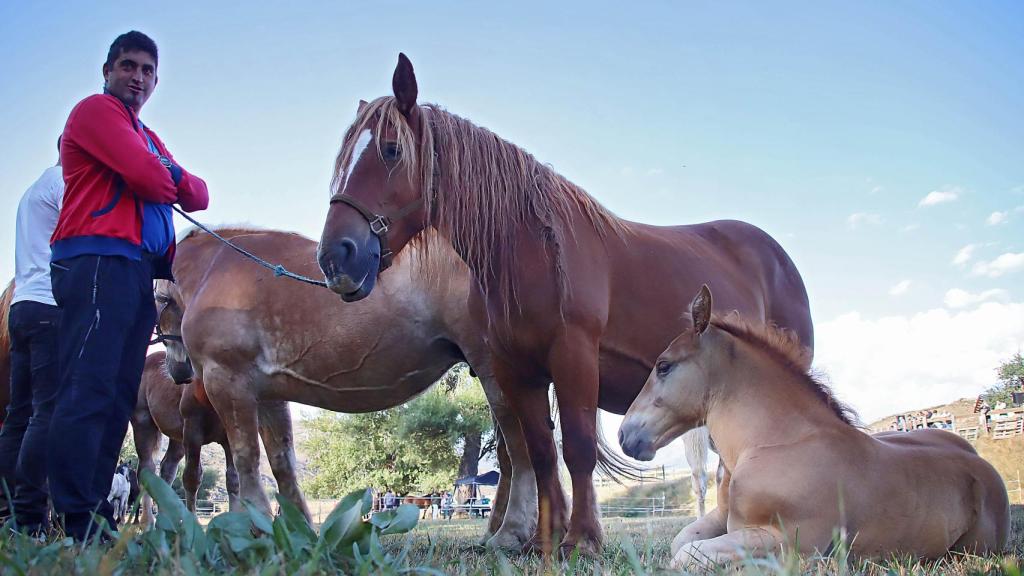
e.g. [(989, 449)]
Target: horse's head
[(381, 174), (676, 395), (170, 312)]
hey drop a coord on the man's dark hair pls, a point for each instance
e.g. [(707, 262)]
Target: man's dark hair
[(58, 142), (128, 42)]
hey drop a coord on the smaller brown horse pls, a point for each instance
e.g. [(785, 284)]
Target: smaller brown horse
[(798, 468), (5, 350), (423, 502), (185, 416)]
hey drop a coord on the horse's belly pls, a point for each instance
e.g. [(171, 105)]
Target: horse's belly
[(374, 385)]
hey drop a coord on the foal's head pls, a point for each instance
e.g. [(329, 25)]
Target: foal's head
[(676, 395), (379, 178), (170, 312)]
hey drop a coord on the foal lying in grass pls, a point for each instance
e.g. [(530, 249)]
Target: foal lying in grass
[(798, 469)]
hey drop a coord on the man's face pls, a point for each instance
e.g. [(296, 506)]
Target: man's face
[(131, 78)]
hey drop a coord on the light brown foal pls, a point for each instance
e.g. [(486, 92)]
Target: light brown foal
[(798, 469)]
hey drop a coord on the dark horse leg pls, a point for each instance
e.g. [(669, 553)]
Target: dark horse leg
[(193, 475), (147, 439), (528, 397), (231, 479), (574, 367), (275, 427)]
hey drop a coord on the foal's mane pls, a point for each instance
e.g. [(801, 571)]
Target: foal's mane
[(785, 348), (481, 190)]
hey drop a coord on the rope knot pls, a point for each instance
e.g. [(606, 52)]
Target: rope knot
[(279, 270)]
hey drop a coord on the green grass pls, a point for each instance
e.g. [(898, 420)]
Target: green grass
[(642, 546), (633, 546)]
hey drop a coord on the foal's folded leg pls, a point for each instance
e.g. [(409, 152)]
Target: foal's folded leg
[(711, 525), (754, 541)]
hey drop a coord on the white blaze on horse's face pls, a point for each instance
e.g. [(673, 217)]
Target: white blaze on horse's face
[(362, 143)]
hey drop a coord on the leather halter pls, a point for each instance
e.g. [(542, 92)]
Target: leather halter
[(379, 223), (162, 338)]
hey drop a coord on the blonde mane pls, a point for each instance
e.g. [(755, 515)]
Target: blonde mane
[(482, 191), (785, 348), (5, 308)]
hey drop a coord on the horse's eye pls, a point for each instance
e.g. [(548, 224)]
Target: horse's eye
[(391, 152), (662, 368)]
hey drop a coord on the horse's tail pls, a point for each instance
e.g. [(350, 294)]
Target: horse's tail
[(5, 308), (610, 464), (696, 444), (615, 466)]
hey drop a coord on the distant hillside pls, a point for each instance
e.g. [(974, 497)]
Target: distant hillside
[(1006, 455)]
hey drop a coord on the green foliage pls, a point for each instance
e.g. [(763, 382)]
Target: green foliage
[(416, 447), (128, 453), (210, 479), (1011, 379)]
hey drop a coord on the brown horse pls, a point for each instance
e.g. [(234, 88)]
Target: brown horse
[(799, 470), (422, 502), (566, 291), (5, 350), (258, 342), (185, 416)]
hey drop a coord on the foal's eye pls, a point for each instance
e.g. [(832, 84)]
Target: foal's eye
[(662, 368), (391, 152)]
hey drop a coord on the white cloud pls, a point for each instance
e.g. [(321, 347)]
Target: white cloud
[(1003, 264), (996, 218), (910, 227), (964, 254), (858, 219), (626, 171), (655, 172), (876, 190), (957, 298), (947, 194), (900, 288), (885, 365)]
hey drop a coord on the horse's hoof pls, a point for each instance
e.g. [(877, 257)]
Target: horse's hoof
[(586, 547), (505, 541)]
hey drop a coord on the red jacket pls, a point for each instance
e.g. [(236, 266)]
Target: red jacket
[(109, 173)]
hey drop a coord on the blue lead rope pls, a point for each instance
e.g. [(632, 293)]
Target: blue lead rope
[(277, 269)]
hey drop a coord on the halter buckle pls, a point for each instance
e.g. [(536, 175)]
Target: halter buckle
[(379, 225)]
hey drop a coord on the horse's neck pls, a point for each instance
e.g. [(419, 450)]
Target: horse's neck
[(762, 404)]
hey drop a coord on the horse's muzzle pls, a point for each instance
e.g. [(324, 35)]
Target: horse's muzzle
[(636, 441)]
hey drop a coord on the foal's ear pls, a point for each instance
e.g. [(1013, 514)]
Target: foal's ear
[(404, 85), (700, 310)]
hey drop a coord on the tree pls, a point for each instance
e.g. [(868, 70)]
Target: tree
[(420, 446), (457, 411), (1011, 379), (128, 453), (211, 476)]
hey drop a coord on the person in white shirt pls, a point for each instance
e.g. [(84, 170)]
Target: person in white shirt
[(32, 323)]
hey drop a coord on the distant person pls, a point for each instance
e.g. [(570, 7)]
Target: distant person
[(32, 323), (114, 236)]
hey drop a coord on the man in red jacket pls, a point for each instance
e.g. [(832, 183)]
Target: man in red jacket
[(115, 235)]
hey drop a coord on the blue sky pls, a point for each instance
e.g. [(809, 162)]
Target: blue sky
[(828, 124)]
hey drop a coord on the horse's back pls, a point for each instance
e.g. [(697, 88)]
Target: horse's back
[(950, 481)]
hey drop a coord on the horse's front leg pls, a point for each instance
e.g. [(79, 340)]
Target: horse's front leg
[(193, 475), (275, 425), (514, 517), (754, 541), (237, 407), (712, 525), (528, 397), (574, 367)]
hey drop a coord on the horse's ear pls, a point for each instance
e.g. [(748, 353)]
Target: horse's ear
[(362, 105), (700, 310), (404, 85)]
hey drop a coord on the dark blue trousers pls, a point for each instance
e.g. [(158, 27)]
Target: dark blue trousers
[(33, 332), (107, 317)]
